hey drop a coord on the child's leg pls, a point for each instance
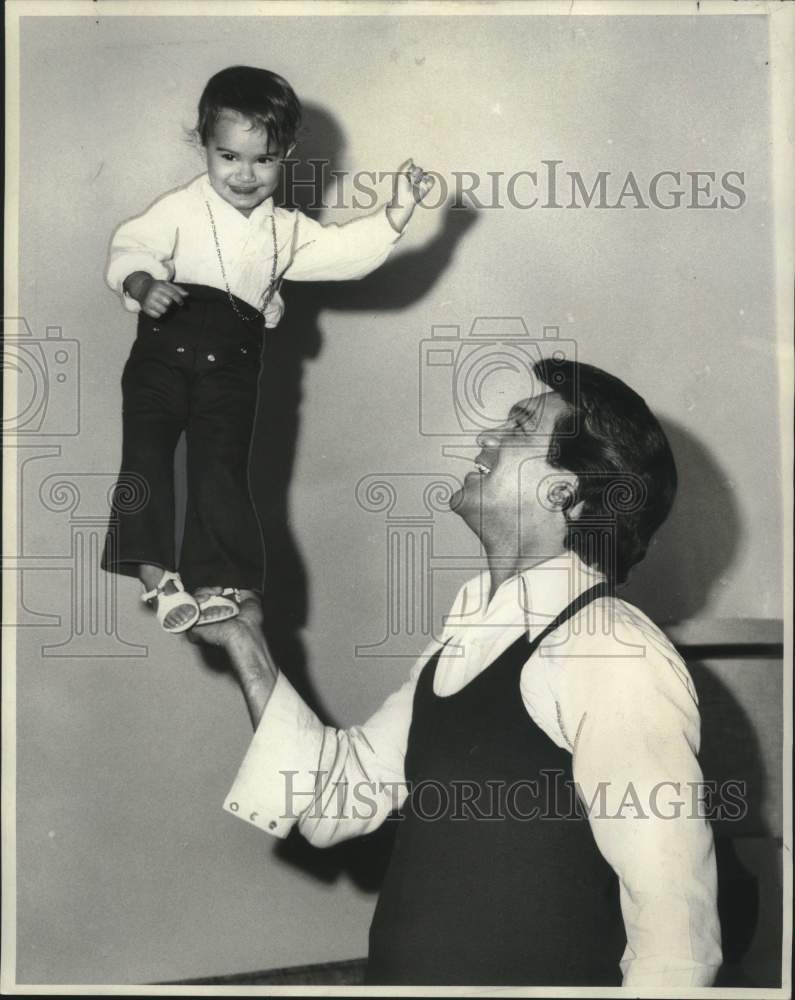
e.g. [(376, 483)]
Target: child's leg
[(222, 546), (140, 539)]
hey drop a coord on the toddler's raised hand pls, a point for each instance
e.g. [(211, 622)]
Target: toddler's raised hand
[(411, 185)]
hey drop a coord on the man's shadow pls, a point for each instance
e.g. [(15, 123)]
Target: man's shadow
[(694, 550)]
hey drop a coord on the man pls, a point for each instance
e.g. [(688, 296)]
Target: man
[(543, 752)]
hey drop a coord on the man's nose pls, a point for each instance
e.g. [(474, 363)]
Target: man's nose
[(245, 172)]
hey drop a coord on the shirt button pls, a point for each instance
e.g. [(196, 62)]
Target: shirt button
[(211, 357), (272, 824), (155, 329), (244, 350), (180, 350), (234, 806)]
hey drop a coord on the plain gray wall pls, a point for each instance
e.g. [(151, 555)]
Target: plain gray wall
[(129, 871)]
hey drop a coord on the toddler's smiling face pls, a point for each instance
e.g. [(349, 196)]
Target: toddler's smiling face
[(242, 164)]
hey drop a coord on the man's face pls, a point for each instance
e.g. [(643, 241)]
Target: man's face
[(504, 495)]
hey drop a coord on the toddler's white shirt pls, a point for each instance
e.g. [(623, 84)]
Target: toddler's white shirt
[(173, 241)]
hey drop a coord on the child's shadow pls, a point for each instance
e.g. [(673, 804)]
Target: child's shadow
[(298, 340)]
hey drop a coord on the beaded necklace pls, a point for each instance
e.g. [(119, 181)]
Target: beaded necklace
[(269, 292)]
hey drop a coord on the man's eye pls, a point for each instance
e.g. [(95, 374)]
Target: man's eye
[(267, 160), (227, 156)]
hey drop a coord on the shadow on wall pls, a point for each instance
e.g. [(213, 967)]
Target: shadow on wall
[(694, 550), (688, 561), (298, 340), (746, 848)]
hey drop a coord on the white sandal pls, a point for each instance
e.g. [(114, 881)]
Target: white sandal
[(227, 601), (168, 602)]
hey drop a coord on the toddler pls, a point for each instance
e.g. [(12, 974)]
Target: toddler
[(202, 269)]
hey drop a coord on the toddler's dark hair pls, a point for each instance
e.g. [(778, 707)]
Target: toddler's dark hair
[(264, 97)]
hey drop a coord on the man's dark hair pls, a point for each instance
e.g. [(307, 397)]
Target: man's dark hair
[(609, 438), (264, 97)]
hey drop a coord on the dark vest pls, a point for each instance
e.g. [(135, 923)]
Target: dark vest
[(495, 878)]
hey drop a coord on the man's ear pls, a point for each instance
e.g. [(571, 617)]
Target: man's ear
[(562, 492)]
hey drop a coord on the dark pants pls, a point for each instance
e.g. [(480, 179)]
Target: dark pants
[(194, 370)]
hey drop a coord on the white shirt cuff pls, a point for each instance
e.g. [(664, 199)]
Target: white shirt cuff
[(276, 781), (657, 974)]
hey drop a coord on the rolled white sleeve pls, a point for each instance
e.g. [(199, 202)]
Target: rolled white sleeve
[(145, 243), (333, 783), (340, 252), (637, 735)]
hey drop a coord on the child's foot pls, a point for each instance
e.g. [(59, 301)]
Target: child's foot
[(216, 604), (177, 610)]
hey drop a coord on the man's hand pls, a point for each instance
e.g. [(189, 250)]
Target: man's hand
[(243, 640), (233, 634), (155, 297), (411, 185)]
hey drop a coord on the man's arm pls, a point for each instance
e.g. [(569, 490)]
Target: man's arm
[(243, 639), (634, 761), (334, 784)]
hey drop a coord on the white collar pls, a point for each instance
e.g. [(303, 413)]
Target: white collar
[(529, 600)]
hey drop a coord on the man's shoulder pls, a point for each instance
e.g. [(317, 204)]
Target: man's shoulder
[(615, 639)]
